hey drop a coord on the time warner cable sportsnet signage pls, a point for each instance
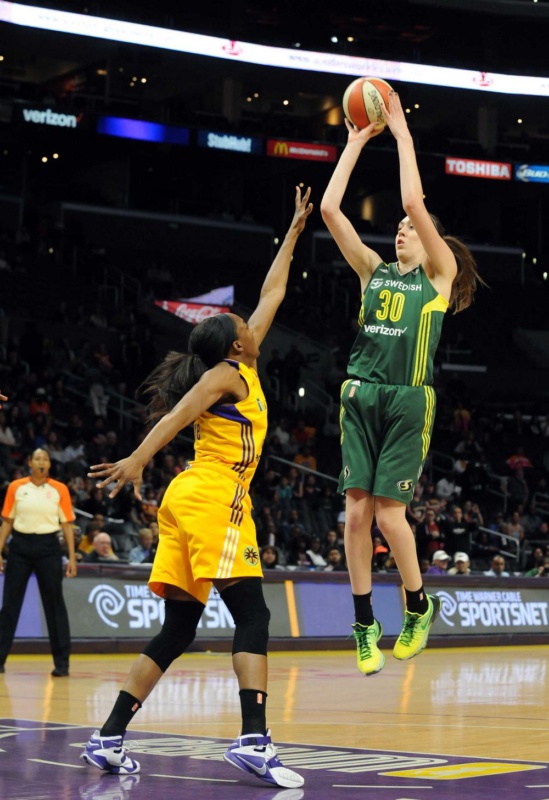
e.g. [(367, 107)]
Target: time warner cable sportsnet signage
[(484, 610), (118, 604), (121, 607), (110, 607)]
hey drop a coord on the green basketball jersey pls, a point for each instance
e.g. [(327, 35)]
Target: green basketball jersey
[(400, 322)]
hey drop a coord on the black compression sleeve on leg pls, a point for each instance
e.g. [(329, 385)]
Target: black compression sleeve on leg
[(177, 634), (251, 616)]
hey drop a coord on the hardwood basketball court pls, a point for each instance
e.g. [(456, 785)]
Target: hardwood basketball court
[(450, 723)]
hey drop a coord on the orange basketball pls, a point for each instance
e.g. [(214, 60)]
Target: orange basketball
[(362, 102)]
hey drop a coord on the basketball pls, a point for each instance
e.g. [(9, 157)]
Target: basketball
[(362, 102)]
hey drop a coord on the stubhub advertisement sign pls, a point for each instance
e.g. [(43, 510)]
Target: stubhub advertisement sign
[(532, 173), (216, 140)]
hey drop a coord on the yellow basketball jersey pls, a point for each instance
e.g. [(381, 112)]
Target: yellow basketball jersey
[(232, 434)]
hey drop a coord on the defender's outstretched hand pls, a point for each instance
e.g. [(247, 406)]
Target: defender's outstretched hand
[(302, 209), (127, 470)]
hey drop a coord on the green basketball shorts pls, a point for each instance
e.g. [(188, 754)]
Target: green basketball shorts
[(385, 437)]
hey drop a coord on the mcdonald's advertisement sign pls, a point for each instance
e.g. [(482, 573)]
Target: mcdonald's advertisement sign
[(307, 151)]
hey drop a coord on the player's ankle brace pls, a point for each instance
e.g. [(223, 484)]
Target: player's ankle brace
[(177, 634), (416, 602), (251, 616), (123, 711)]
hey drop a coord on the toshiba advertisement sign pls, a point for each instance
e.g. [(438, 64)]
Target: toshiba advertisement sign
[(471, 168)]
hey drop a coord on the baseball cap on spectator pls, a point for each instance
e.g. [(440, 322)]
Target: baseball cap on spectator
[(460, 557), (441, 555)]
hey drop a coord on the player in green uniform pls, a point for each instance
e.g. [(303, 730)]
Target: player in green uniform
[(388, 403)]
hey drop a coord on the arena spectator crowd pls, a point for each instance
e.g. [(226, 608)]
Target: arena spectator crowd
[(481, 505)]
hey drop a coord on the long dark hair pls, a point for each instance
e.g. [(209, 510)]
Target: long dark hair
[(467, 279), (209, 343)]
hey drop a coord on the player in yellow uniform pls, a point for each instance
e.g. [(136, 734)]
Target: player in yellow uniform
[(207, 535), (228, 441)]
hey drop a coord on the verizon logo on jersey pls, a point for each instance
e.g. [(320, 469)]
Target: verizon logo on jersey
[(471, 168), (384, 330)]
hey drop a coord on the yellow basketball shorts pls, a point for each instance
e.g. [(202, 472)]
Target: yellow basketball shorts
[(206, 532)]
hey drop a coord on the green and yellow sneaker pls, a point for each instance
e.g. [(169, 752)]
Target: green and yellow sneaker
[(369, 657), (415, 631)]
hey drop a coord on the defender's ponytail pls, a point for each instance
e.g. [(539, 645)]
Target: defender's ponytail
[(209, 343)]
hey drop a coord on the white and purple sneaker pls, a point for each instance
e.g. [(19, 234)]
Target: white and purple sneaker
[(109, 754), (256, 755)]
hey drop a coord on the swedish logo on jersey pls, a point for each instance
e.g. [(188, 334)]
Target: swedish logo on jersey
[(251, 556), (405, 486)]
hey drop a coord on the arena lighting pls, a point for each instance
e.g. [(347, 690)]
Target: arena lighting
[(249, 53)]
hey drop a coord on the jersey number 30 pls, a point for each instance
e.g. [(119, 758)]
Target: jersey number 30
[(392, 305)]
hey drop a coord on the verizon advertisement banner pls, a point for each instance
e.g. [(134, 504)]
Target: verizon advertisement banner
[(472, 168), (482, 611), (52, 118), (304, 150)]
